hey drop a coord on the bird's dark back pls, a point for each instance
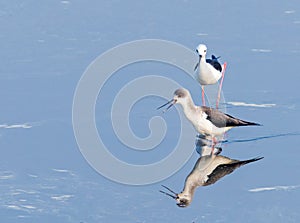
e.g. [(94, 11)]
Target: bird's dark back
[(215, 63)]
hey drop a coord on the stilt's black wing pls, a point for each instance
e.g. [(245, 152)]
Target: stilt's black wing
[(215, 63)]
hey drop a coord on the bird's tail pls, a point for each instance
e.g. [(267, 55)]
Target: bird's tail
[(246, 123), (244, 162)]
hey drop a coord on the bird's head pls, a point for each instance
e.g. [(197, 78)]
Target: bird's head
[(181, 96), (201, 50)]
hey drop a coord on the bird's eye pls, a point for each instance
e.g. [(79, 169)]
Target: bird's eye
[(204, 51)]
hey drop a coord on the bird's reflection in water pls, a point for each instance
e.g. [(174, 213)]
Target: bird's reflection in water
[(208, 169), (204, 146)]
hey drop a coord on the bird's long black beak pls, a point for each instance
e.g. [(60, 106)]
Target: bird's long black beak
[(173, 195), (196, 66), (170, 103)]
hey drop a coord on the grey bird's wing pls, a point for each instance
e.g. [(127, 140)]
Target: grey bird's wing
[(221, 120)]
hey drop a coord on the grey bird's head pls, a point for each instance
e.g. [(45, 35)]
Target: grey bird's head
[(181, 96)]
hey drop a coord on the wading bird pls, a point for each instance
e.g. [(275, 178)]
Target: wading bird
[(207, 121), (209, 71)]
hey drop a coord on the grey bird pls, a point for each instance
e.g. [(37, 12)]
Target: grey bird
[(207, 121)]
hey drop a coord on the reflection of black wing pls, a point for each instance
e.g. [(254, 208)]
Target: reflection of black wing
[(221, 120), (225, 169), (215, 63)]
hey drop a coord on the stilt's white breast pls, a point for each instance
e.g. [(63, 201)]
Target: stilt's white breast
[(203, 125), (207, 74)]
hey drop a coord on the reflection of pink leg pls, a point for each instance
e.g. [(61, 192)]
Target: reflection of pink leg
[(203, 97), (221, 83), (214, 143)]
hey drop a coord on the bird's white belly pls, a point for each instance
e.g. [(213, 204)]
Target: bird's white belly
[(205, 127), (208, 75), (202, 125)]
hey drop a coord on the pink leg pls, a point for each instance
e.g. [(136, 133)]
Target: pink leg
[(203, 96), (220, 87)]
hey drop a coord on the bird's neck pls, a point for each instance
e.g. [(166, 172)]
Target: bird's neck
[(189, 108), (202, 59)]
